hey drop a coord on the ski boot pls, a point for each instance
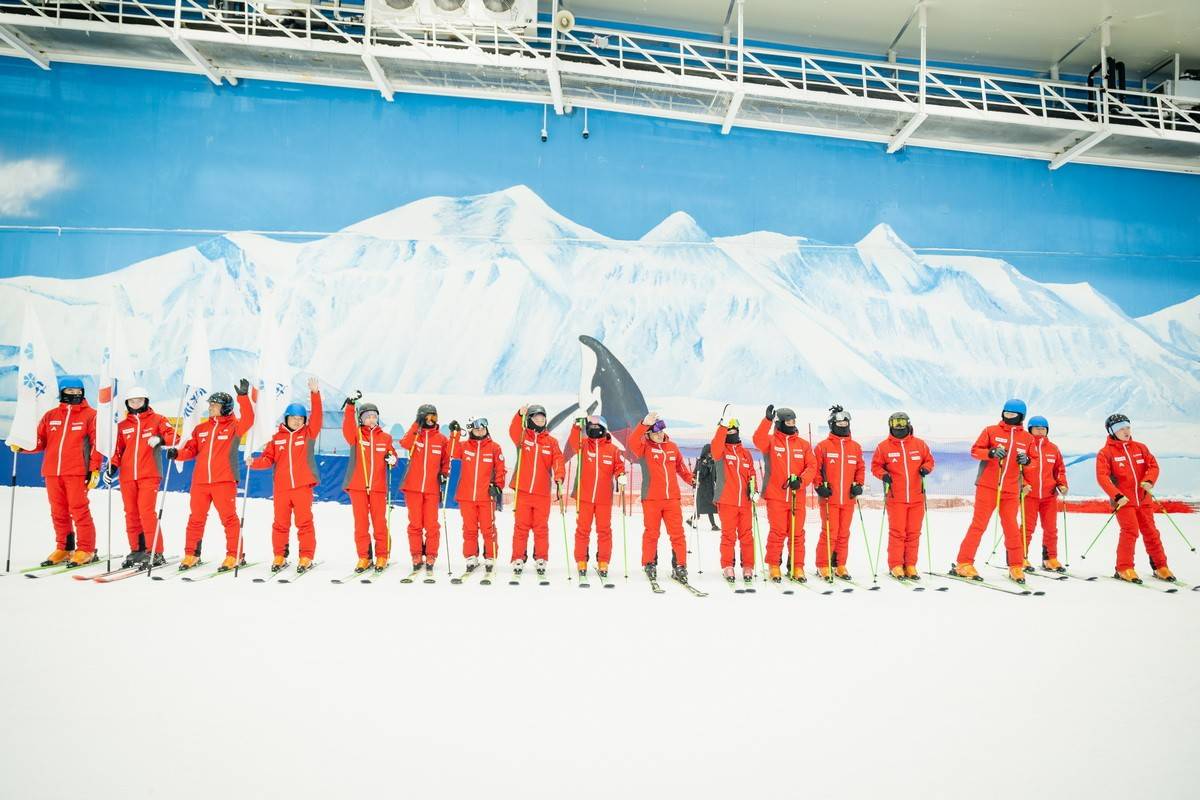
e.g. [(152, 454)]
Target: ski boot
[(517, 566), (965, 570), (1027, 566), (679, 573), (727, 573), (304, 565), (912, 573), (748, 578), (841, 572), (775, 573), (138, 558), (428, 569), (602, 569), (488, 565), (472, 563), (278, 563), (898, 573), (231, 562), (81, 557), (364, 564), (381, 563), (188, 561), (798, 575), (540, 565), (57, 557), (651, 572), (1164, 574), (1128, 575), (1016, 574), (826, 574), (1053, 565), (159, 560)]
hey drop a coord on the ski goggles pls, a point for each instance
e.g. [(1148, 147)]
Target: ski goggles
[(658, 427), (899, 422), (596, 419), (840, 418), (733, 423), (478, 422), (430, 419)]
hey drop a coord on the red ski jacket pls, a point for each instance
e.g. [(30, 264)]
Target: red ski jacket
[(428, 456), (1122, 466), (736, 472), (132, 452), (660, 464), (68, 436), (294, 453), (1015, 440), (600, 463), (783, 455), (1051, 472), (538, 459), (367, 470), (840, 464), (214, 445), (902, 459), (482, 466)]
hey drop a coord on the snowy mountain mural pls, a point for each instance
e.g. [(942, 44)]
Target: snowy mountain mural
[(487, 294)]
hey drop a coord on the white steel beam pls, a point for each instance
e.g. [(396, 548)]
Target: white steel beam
[(193, 55), (377, 75), (908, 130), (735, 105), (1080, 148), (735, 102), (26, 49), (552, 69)]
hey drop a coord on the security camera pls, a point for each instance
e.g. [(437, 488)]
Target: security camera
[(585, 133), (585, 128), (545, 121), (545, 135)]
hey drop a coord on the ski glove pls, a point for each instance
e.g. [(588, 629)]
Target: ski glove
[(558, 490), (792, 482), (855, 489), (621, 481), (390, 459), (1147, 485), (93, 478), (997, 452), (109, 473), (1119, 501), (172, 452), (824, 490), (923, 471), (242, 387), (154, 441), (454, 427), (1023, 459), (1062, 490), (770, 412), (352, 399), (16, 448), (887, 481)]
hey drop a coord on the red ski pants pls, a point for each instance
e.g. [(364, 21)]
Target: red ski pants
[(141, 515), (532, 514), (70, 513), (656, 513), (370, 514), (985, 506), (479, 518), (736, 528), (424, 533), (223, 497), (601, 514), (298, 503)]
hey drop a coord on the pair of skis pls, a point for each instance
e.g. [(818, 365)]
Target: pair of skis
[(657, 589), (282, 575)]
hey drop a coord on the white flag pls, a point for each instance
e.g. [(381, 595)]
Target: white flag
[(116, 378), (197, 380), (272, 380), (37, 387)]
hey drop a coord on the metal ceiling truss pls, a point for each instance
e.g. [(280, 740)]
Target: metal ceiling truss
[(725, 83)]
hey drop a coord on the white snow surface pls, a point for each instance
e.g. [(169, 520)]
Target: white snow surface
[(313, 690)]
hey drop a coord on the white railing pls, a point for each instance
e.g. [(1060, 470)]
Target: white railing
[(632, 57)]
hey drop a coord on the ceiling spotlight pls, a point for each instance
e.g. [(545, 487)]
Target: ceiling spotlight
[(449, 5), (400, 5), (499, 6)]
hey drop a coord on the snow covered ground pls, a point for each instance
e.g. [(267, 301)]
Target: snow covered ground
[(178, 690)]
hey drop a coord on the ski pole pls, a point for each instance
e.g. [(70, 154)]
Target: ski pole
[(237, 559), (828, 544), (387, 515), (866, 542), (1102, 527), (108, 491), (882, 524), (1171, 520), (696, 528), (928, 535), (162, 503), (562, 515), (996, 524), (792, 531), (1025, 535), (624, 538), (444, 491), (12, 505), (754, 533), (1066, 544)]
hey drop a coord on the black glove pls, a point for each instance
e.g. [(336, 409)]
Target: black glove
[(770, 412), (887, 481), (923, 472), (172, 452), (352, 399), (1116, 501), (997, 452), (242, 387), (855, 489), (824, 490), (111, 471), (792, 482), (558, 490), (1023, 459), (495, 491), (454, 426)]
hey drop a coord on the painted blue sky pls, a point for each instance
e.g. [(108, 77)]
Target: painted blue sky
[(131, 149)]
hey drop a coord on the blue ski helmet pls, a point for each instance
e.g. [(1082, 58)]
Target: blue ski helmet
[(70, 382), (295, 410), (1038, 422)]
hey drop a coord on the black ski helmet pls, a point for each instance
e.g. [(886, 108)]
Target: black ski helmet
[(532, 410), (226, 401), (785, 421), (1114, 423), (363, 408), (424, 412), (837, 416), (899, 424)]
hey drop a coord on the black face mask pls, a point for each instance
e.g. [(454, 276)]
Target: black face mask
[(1016, 419), (71, 399), (733, 438), (900, 433), (838, 430), (784, 428), (145, 407), (595, 432), (478, 434)]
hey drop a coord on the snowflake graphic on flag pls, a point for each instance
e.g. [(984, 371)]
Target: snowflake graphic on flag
[(28, 350), (31, 382)]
